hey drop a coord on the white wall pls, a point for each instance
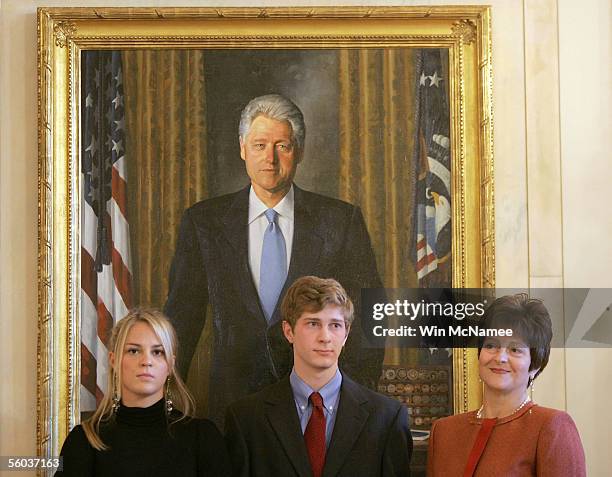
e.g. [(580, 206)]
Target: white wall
[(585, 44), (551, 125)]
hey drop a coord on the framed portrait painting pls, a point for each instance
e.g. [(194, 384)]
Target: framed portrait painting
[(140, 121)]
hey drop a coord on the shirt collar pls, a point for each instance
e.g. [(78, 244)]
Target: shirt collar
[(284, 208), (329, 392)]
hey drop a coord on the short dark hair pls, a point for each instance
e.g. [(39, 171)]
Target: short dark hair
[(528, 318), (312, 294)]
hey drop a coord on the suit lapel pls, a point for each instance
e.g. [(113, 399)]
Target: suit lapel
[(281, 413), (236, 231), (307, 243), (307, 240), (305, 251), (351, 418)]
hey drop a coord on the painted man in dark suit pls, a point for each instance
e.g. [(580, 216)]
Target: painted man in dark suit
[(317, 421), (218, 260)]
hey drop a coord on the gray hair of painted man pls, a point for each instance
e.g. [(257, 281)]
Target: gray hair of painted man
[(274, 106)]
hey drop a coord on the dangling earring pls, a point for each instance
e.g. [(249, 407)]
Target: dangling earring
[(116, 403), (169, 403), (531, 387), (481, 409)]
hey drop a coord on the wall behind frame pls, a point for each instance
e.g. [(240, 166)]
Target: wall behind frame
[(585, 49), (552, 102)]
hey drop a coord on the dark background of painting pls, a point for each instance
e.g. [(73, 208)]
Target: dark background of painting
[(308, 77)]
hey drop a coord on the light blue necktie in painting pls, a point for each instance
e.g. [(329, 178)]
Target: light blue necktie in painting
[(273, 267)]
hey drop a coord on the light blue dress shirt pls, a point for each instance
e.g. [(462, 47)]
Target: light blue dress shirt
[(331, 398)]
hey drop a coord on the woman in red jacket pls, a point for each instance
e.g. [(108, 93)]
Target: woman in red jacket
[(509, 435)]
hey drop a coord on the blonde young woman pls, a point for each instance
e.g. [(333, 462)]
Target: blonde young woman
[(509, 435), (138, 430)]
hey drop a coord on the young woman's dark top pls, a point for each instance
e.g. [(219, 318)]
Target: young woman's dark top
[(142, 444)]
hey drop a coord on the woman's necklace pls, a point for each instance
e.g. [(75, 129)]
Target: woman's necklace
[(525, 401)]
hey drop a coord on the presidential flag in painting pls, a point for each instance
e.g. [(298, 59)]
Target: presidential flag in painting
[(105, 244), (432, 162)]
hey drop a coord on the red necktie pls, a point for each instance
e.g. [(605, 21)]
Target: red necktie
[(315, 435)]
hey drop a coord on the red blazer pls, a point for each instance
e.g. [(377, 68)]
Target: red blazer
[(536, 441)]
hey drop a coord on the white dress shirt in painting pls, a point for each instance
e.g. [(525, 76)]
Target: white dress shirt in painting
[(258, 224)]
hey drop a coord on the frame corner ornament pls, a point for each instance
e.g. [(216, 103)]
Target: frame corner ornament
[(466, 30), (63, 32)]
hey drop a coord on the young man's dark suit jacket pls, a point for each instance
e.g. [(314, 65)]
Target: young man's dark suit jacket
[(211, 267), (371, 437)]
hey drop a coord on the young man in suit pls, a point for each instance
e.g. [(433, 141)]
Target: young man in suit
[(317, 422), (222, 261)]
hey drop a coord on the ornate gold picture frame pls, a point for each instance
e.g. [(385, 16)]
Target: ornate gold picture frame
[(462, 33)]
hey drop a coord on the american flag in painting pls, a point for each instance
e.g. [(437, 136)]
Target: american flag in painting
[(105, 240), (432, 161)]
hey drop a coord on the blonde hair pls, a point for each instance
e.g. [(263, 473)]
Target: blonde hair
[(164, 330)]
